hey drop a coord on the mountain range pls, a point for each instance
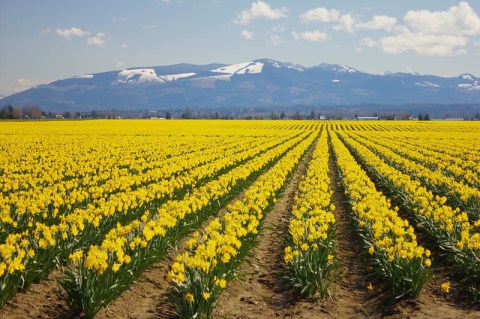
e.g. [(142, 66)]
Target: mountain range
[(260, 83)]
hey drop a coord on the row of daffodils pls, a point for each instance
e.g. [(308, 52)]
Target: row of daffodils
[(453, 154), (101, 201), (456, 236), (409, 160), (199, 275), (390, 240), (30, 254), (309, 254), (101, 272)]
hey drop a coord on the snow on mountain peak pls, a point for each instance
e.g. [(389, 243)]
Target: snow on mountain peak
[(147, 75), (241, 68), (84, 76), (139, 76), (295, 66), (467, 76), (427, 84), (473, 82), (345, 69), (337, 68)]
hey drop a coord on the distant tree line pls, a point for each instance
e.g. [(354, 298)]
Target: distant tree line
[(424, 117), (249, 113), (19, 112)]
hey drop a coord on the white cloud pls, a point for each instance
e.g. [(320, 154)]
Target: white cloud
[(19, 85), (379, 22), (369, 43), (26, 83), (120, 64), (72, 32), (320, 15), (459, 19), (424, 44), (150, 27), (124, 46), (275, 40), (345, 23), (247, 35), (260, 10), (341, 22), (311, 36), (97, 40), (434, 33)]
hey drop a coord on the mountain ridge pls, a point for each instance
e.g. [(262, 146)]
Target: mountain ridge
[(261, 82)]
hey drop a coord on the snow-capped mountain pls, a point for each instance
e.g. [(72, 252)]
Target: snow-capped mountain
[(259, 83)]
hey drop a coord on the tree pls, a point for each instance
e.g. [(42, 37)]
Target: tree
[(274, 116), (187, 113), (35, 112), (426, 117), (298, 116), (420, 117), (168, 115), (17, 112), (283, 115), (312, 115)]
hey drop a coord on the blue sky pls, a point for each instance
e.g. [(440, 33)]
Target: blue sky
[(43, 41)]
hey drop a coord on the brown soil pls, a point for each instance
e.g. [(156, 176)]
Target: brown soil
[(258, 292)]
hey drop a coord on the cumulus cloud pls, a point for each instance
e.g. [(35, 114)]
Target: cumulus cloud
[(424, 44), (72, 32), (19, 85), (310, 36), (247, 35), (275, 40), (379, 22), (97, 40), (345, 23), (434, 33), (320, 15), (260, 10), (369, 43), (341, 22), (459, 19)]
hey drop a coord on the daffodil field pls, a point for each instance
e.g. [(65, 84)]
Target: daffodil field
[(93, 204)]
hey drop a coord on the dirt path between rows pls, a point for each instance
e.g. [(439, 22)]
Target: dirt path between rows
[(258, 293), (350, 295)]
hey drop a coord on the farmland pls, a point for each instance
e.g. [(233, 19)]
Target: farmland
[(239, 219)]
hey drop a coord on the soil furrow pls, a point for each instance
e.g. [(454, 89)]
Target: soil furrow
[(349, 292), (259, 293)]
